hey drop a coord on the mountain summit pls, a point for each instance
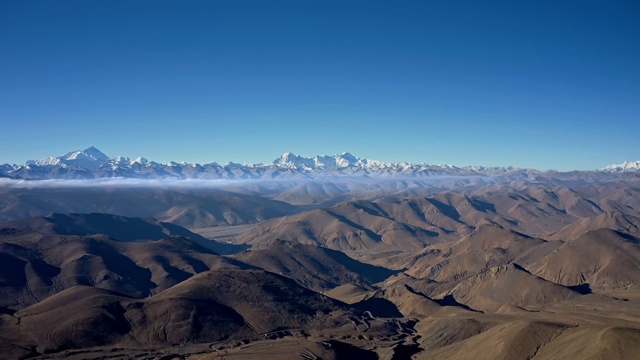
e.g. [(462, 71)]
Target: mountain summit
[(92, 163), (627, 166), (343, 160), (90, 159)]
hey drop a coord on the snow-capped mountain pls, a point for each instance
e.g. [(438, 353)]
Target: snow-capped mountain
[(91, 163), (89, 159), (339, 161), (627, 166)]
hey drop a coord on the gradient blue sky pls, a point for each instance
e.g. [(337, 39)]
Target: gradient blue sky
[(543, 84)]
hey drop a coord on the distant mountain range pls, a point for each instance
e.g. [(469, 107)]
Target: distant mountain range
[(91, 163)]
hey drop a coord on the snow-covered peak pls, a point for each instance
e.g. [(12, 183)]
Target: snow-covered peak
[(120, 160), (342, 161), (627, 166), (140, 161), (89, 159), (90, 153), (291, 160), (49, 161), (347, 156)]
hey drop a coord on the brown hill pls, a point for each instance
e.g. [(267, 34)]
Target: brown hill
[(345, 227), (414, 222), (349, 293), (531, 210), (512, 340), (618, 196), (505, 288), (117, 227), (473, 277), (538, 210), (185, 207), (408, 302), (383, 224), (316, 268), (603, 259), (535, 210), (34, 266), (610, 343), (440, 332), (78, 317), (614, 220), (438, 214), (488, 246), (310, 193), (265, 301), (209, 307)]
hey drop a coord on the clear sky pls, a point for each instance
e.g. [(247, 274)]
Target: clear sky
[(543, 84)]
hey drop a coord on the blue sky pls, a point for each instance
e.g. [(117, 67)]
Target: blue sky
[(543, 84)]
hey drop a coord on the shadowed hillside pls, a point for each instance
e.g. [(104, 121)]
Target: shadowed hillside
[(34, 266), (511, 271), (184, 207), (317, 268), (212, 306), (119, 228)]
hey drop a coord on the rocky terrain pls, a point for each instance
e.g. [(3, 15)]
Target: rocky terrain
[(527, 267)]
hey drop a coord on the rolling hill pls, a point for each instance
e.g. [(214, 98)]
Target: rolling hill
[(316, 268)]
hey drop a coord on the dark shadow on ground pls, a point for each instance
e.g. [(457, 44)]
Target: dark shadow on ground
[(449, 300), (346, 351), (380, 307), (583, 289)]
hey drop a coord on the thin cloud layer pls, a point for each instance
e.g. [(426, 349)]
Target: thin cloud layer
[(119, 182)]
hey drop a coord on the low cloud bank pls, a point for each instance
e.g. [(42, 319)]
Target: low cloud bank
[(119, 182), (439, 180)]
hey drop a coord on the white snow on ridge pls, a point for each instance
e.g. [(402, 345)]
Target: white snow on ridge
[(88, 159), (91, 163), (92, 159), (50, 161), (139, 160), (346, 161), (627, 166)]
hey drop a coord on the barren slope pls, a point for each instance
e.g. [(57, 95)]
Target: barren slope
[(34, 266), (602, 259), (319, 269)]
